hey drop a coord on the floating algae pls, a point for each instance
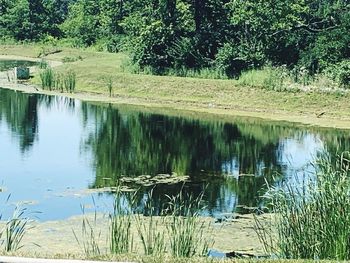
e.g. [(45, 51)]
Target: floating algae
[(147, 180)]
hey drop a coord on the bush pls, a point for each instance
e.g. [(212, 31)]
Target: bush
[(340, 73), (233, 59), (229, 61)]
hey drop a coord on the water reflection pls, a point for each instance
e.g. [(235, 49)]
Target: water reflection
[(9, 64), (69, 146)]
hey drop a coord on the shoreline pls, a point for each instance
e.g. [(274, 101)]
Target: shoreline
[(234, 235), (217, 111)]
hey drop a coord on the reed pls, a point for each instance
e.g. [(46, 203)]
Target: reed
[(69, 81), (90, 237), (312, 218), (43, 64), (14, 230), (188, 234), (121, 238), (109, 83), (150, 229), (47, 78)]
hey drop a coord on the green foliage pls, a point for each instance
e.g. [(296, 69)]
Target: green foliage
[(47, 78), (109, 84), (58, 80), (12, 234), (188, 234), (149, 229), (340, 73), (312, 218), (89, 235), (180, 36), (69, 79), (121, 237)]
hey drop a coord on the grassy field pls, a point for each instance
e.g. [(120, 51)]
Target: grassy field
[(96, 70)]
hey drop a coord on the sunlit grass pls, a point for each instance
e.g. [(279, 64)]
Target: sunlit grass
[(228, 97), (312, 218)]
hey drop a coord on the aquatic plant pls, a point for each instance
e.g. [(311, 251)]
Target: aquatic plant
[(47, 78), (121, 237), (70, 81), (43, 64), (189, 235), (89, 235), (109, 83), (150, 230), (312, 219), (15, 229)]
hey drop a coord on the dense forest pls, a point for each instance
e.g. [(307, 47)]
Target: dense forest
[(228, 35)]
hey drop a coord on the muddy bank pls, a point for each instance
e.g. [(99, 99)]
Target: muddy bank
[(54, 238)]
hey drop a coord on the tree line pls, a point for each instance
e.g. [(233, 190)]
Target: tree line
[(229, 35)]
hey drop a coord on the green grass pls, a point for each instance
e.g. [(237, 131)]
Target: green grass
[(121, 237), (15, 228), (47, 78), (53, 80), (178, 231), (223, 97), (312, 217), (150, 231), (90, 236), (188, 235)]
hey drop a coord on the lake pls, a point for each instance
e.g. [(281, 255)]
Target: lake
[(54, 151)]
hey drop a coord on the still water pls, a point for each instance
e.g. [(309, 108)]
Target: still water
[(9, 64), (53, 148)]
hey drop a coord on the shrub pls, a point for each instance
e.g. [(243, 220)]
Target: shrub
[(340, 73), (233, 59)]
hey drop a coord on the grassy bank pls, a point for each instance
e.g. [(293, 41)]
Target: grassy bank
[(100, 75)]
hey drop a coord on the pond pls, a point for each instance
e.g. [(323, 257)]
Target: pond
[(54, 151), (9, 64)]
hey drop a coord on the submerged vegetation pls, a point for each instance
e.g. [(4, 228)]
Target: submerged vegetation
[(311, 216)]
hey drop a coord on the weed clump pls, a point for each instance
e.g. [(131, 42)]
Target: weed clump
[(312, 218)]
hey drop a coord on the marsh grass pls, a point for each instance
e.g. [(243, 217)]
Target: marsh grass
[(90, 236), (176, 231), (43, 64), (188, 235), (69, 79), (47, 78), (271, 78), (61, 81), (109, 83), (312, 221), (150, 231), (12, 234), (121, 238)]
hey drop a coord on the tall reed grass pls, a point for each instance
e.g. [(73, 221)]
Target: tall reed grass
[(15, 228), (188, 234), (109, 83), (150, 229), (62, 81), (178, 230), (90, 236), (121, 236), (312, 221), (47, 78)]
